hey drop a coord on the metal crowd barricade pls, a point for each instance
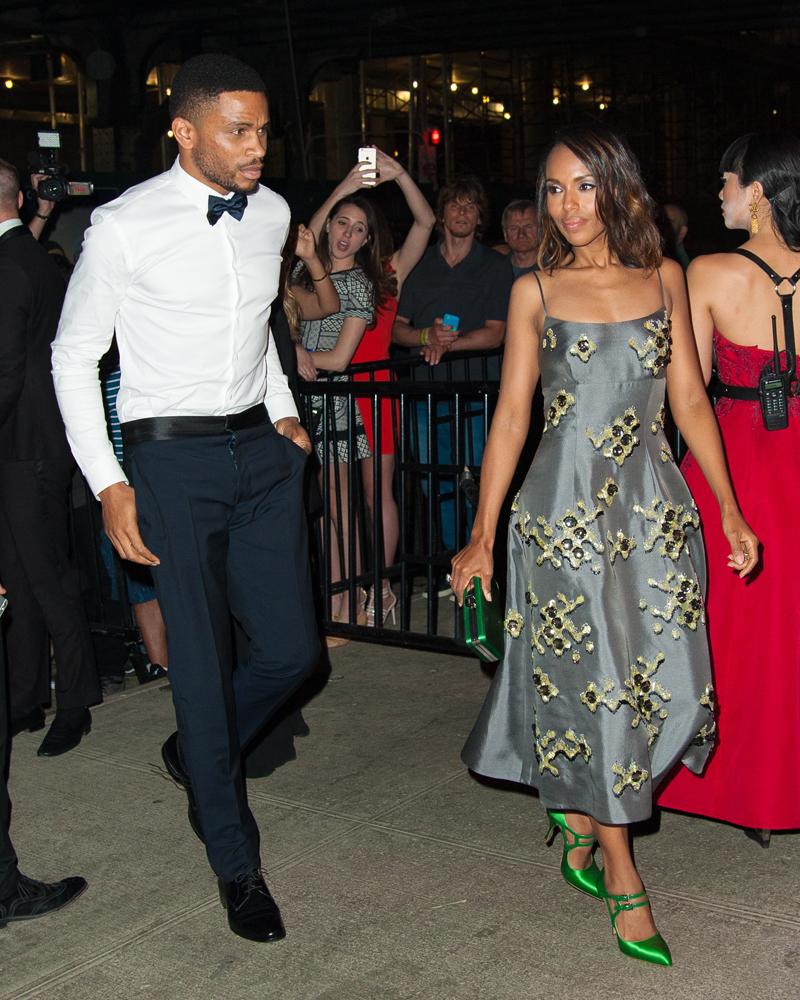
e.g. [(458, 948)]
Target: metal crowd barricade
[(440, 428)]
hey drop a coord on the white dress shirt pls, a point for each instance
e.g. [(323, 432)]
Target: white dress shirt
[(190, 304), (9, 224)]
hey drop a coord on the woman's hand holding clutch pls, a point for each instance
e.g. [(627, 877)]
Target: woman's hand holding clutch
[(475, 559)]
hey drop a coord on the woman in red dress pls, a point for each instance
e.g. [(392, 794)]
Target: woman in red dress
[(754, 631), (374, 346)]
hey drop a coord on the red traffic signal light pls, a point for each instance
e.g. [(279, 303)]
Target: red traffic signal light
[(432, 136)]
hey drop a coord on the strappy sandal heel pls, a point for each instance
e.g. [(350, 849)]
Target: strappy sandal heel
[(588, 880), (653, 949)]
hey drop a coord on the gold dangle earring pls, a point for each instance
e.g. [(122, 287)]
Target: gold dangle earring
[(753, 218)]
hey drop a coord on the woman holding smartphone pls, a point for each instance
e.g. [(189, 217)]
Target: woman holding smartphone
[(375, 167), (606, 682)]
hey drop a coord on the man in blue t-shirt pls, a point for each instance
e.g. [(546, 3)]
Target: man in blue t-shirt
[(460, 277)]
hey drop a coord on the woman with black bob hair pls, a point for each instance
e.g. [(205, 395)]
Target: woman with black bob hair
[(751, 780), (605, 683)]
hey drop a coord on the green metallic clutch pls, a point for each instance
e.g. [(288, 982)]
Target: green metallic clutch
[(483, 622)]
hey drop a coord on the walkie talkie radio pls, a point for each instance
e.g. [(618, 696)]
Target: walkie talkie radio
[(774, 387)]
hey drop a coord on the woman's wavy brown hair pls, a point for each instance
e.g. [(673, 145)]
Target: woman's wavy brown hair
[(623, 204)]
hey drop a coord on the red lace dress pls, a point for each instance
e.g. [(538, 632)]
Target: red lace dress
[(753, 777), (374, 346)]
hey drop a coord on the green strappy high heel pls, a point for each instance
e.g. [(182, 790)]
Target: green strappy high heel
[(653, 949), (588, 880)]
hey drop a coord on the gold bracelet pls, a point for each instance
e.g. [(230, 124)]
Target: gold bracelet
[(423, 336)]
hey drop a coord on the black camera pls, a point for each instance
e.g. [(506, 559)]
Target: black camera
[(54, 186)]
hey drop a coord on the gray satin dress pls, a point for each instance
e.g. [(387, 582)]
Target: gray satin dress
[(605, 683)]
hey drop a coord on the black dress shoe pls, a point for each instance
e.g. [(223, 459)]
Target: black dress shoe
[(30, 899), (171, 755), (252, 912), (68, 729), (32, 721)]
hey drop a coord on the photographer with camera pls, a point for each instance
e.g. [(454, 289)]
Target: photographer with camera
[(36, 468)]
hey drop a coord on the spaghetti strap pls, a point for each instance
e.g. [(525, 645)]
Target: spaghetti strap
[(541, 291), (661, 289)]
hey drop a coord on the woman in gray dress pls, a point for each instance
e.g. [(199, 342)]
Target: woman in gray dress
[(605, 684)]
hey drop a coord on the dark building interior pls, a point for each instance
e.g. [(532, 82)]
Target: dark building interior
[(448, 88)]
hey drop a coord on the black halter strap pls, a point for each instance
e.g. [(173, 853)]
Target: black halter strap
[(719, 388), (786, 303)]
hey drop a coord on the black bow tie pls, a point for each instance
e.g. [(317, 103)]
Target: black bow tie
[(217, 206)]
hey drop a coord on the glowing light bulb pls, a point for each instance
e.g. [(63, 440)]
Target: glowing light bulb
[(170, 134), (415, 84), (454, 87), (556, 100), (602, 105), (485, 98), (168, 91), (585, 85), (9, 84), (474, 91), (507, 115)]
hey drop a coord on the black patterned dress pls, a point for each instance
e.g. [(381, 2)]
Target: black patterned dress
[(605, 683), (355, 298)]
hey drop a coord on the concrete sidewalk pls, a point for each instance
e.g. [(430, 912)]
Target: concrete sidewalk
[(399, 875)]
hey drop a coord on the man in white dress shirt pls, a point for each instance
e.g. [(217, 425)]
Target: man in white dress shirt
[(184, 268)]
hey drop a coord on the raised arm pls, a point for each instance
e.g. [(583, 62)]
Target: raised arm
[(406, 258), (507, 436), (358, 177), (321, 299), (695, 419)]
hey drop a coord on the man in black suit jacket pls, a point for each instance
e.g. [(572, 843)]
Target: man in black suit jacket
[(36, 469)]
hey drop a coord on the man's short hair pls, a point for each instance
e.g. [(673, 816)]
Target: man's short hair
[(519, 205), (9, 184), (201, 80), (467, 188)]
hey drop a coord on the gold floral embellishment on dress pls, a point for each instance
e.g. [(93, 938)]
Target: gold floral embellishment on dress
[(609, 490), (558, 630), (515, 504), (707, 732), (618, 437), (547, 747), (549, 339), (631, 776), (593, 696), (619, 545), (583, 348), (575, 540), (642, 694), (684, 597), (669, 524), (561, 404), (513, 623), (654, 352), (658, 424), (666, 453), (544, 686)]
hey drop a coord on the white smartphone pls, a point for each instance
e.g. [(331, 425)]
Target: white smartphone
[(369, 155)]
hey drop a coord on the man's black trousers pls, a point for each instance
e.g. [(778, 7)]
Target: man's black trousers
[(224, 514), (44, 597)]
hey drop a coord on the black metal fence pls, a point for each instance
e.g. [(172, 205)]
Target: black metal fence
[(439, 423)]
